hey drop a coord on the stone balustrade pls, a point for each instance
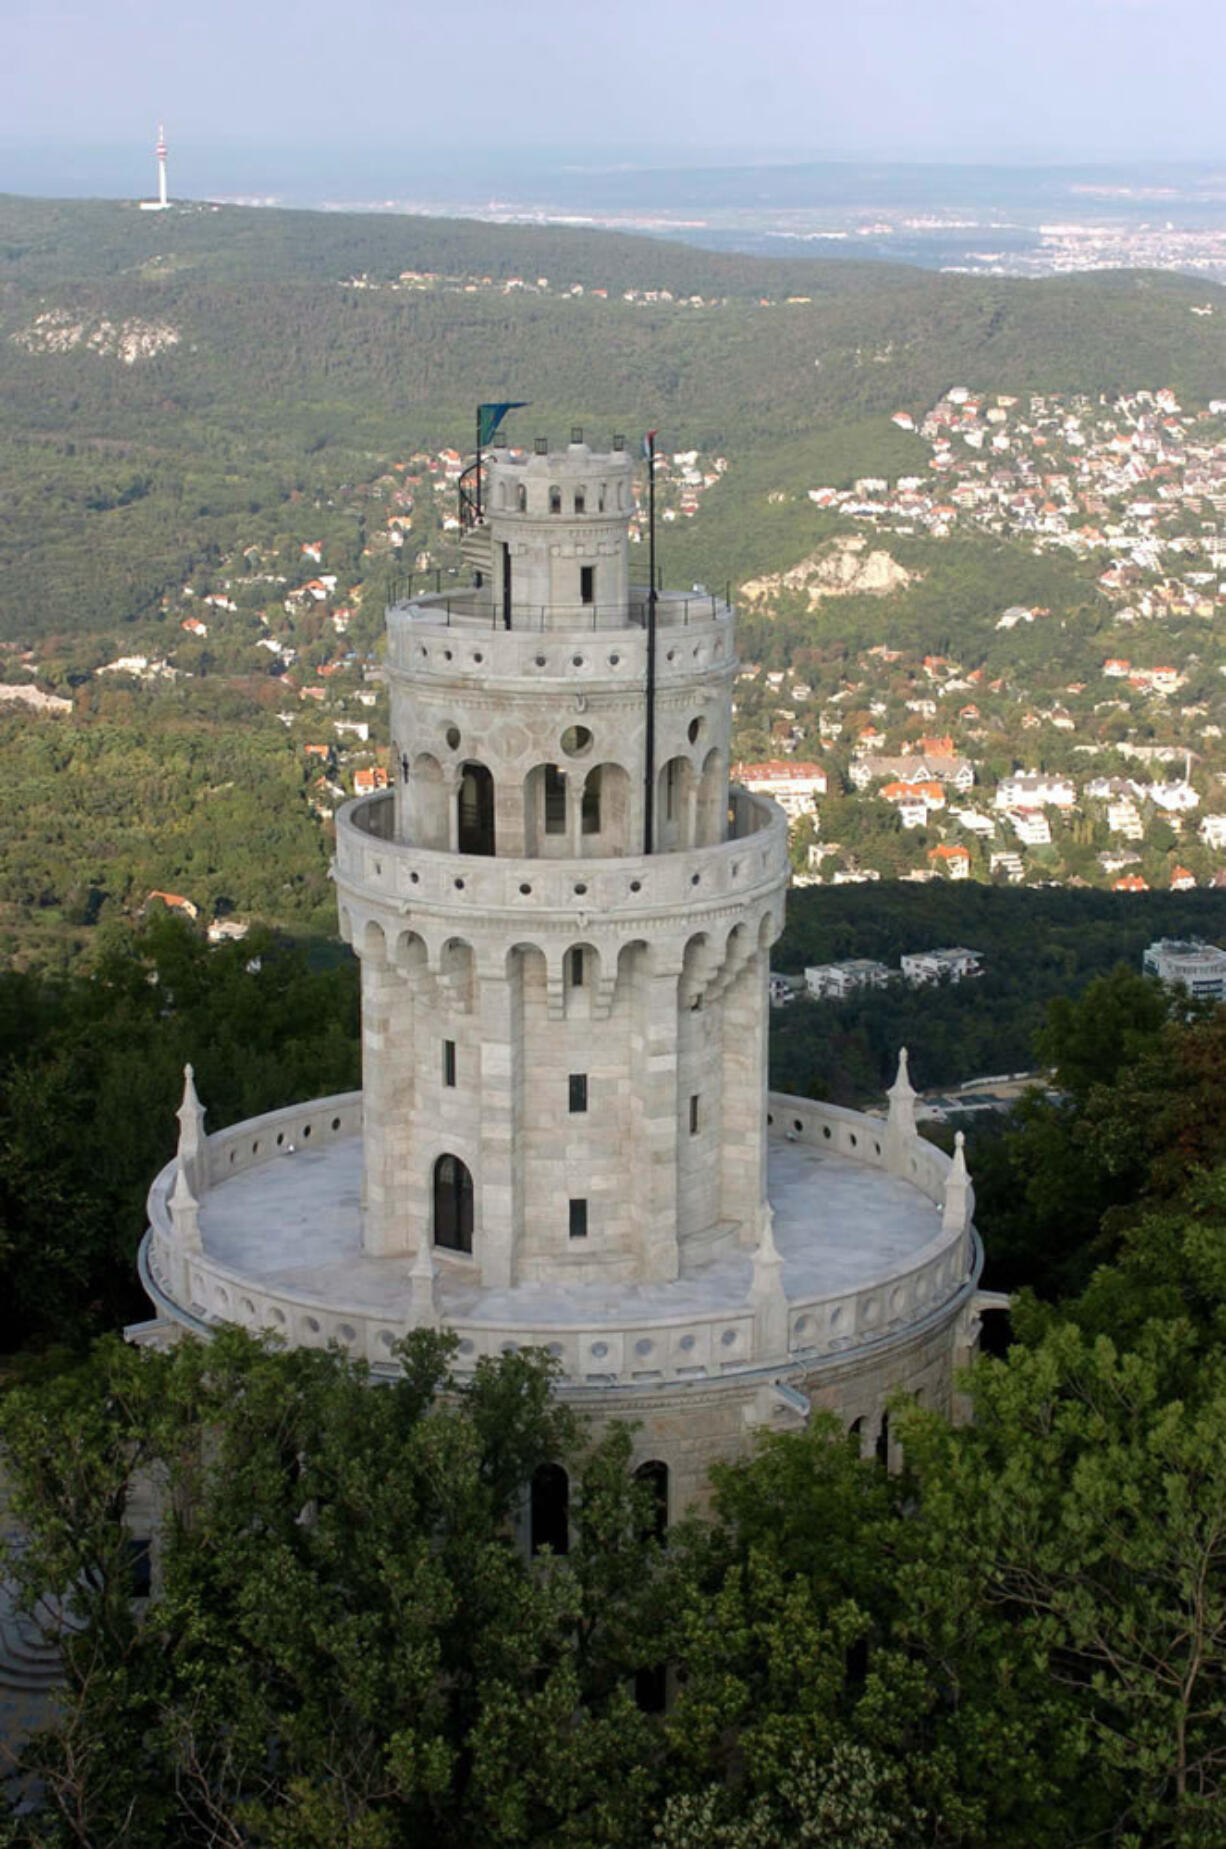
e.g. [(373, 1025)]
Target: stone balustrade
[(616, 889), (930, 1283), (457, 635)]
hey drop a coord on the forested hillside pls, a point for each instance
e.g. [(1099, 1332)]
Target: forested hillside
[(173, 382)]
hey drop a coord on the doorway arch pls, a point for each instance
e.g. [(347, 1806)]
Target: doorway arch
[(476, 801), (453, 1204)]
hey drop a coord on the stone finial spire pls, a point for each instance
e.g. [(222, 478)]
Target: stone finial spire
[(185, 1212), (423, 1286), (956, 1213), (193, 1158), (900, 1129), (766, 1292)]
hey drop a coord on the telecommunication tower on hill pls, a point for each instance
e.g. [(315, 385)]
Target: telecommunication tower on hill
[(563, 914), (162, 202)]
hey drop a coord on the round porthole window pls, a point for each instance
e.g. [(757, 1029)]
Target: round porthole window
[(576, 740), (452, 735), (695, 730)]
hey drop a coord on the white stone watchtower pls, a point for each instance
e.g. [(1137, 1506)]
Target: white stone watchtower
[(564, 1035), (564, 1138)]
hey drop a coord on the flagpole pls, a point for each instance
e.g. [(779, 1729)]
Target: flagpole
[(477, 496), (649, 751)]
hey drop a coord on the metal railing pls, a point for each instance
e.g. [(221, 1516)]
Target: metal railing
[(474, 607)]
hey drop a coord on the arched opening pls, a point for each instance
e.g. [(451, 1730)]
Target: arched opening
[(545, 820), (581, 499), (580, 966), (882, 1448), (606, 810), (521, 498), (453, 1205), (476, 801), (555, 500), (427, 803), (550, 1510), (653, 1475), (672, 804), (696, 970)]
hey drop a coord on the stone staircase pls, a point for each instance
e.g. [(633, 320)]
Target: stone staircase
[(477, 550)]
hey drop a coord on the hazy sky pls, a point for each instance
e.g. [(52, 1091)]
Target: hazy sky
[(923, 79)]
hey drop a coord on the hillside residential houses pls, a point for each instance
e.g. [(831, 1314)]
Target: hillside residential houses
[(793, 785), (954, 861), (1031, 826), (175, 902), (1035, 789), (837, 980), (925, 767), (1124, 818), (914, 801), (1196, 967), (950, 965), (1175, 798)]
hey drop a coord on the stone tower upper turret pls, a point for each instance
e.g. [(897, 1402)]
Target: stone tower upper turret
[(558, 525)]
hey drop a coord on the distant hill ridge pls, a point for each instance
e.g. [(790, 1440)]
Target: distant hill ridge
[(271, 377)]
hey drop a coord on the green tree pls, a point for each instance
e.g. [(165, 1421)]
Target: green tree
[(347, 1644)]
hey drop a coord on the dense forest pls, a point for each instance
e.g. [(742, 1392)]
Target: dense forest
[(1037, 946)]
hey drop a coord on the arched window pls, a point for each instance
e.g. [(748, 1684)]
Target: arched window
[(555, 500), (654, 1475), (581, 500), (600, 495), (883, 1442), (453, 1205), (521, 498), (550, 1509), (476, 810)]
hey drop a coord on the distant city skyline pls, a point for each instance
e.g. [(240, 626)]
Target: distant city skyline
[(673, 82)]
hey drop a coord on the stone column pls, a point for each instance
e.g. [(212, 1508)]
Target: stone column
[(574, 812), (691, 809), (653, 1155), (499, 1006), (387, 1099), (743, 1153)]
